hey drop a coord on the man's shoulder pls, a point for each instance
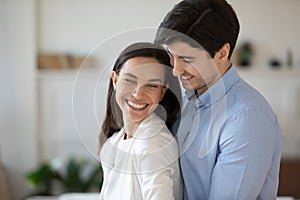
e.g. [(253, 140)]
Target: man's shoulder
[(244, 97)]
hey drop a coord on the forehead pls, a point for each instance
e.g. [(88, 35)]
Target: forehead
[(143, 67), (178, 48)]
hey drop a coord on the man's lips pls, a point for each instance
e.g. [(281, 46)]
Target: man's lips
[(185, 77)]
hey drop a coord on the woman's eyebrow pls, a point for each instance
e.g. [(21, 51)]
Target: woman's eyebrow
[(150, 80), (155, 80), (131, 75)]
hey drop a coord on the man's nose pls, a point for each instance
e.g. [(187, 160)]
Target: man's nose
[(178, 66)]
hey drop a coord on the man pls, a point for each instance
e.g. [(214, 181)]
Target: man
[(229, 138)]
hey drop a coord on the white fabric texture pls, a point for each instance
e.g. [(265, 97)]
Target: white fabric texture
[(142, 167)]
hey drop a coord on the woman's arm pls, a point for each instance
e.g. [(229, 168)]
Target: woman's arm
[(159, 168)]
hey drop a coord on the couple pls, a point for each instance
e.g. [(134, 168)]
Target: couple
[(227, 142)]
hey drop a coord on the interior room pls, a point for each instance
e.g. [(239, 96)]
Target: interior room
[(55, 56)]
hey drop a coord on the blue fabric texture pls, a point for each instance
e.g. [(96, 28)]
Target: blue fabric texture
[(230, 143)]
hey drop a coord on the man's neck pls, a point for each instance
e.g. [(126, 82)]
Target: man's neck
[(222, 69)]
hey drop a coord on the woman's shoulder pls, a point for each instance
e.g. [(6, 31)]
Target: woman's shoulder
[(154, 136), (153, 127)]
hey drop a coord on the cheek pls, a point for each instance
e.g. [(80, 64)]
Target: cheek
[(123, 89), (120, 95), (155, 97), (202, 71), (118, 99), (196, 72)]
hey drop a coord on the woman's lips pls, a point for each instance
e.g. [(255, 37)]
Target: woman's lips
[(136, 105)]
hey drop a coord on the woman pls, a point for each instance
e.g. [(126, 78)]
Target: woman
[(139, 155)]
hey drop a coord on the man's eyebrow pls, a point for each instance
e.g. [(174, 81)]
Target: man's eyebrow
[(182, 57), (187, 57)]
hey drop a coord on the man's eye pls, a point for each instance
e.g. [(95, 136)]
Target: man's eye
[(187, 61)]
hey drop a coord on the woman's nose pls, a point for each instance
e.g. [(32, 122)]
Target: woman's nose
[(138, 92)]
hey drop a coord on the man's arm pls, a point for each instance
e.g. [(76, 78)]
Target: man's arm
[(247, 144)]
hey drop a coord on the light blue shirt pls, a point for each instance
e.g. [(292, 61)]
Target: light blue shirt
[(230, 143)]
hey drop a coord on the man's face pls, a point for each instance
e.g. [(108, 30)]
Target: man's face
[(195, 67)]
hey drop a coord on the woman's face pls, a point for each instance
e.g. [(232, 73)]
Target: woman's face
[(139, 87)]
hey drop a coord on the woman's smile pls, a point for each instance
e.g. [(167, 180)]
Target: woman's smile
[(139, 88), (136, 106)]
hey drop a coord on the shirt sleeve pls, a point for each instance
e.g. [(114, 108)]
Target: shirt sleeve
[(156, 166), (246, 148)]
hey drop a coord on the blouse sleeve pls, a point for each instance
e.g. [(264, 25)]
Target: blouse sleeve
[(156, 167)]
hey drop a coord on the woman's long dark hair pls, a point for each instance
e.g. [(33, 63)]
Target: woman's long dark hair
[(170, 104)]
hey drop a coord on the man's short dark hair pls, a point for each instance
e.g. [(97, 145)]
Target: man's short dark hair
[(201, 23)]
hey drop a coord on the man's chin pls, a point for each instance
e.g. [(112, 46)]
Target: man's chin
[(187, 86)]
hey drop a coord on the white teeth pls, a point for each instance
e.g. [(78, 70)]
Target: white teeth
[(185, 77), (137, 106)]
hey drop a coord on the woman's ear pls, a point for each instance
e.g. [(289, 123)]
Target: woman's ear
[(114, 77)]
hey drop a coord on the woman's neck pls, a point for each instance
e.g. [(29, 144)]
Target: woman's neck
[(129, 128)]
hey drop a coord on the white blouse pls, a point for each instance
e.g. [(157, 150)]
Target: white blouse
[(142, 167)]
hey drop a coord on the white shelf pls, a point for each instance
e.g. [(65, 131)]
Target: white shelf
[(67, 73), (267, 71)]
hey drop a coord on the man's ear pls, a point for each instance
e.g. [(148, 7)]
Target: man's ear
[(223, 53), (114, 77)]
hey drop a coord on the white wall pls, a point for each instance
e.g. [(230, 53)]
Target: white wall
[(272, 26), (17, 92), (79, 25)]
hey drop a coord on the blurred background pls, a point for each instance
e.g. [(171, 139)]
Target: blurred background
[(50, 109)]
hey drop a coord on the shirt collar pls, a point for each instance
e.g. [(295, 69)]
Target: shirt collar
[(214, 93), (145, 128)]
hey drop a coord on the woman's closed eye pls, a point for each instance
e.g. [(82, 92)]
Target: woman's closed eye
[(151, 85), (130, 81)]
